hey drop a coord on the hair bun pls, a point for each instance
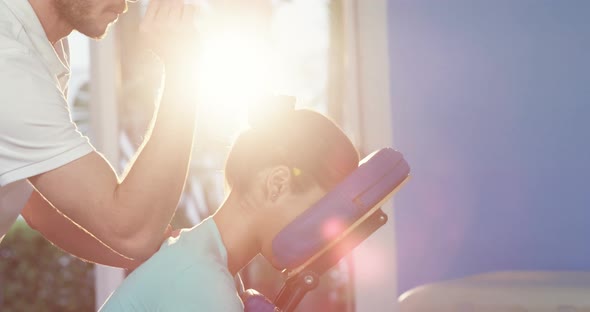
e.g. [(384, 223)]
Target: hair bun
[(271, 110)]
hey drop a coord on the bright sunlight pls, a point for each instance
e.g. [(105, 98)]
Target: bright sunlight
[(233, 70)]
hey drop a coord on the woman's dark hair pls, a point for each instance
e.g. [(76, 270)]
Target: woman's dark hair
[(312, 145)]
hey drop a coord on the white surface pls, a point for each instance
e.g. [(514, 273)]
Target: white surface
[(503, 291), (368, 113)]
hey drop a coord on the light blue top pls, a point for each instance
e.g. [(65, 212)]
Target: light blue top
[(188, 273)]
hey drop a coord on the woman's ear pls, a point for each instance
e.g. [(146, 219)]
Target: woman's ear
[(277, 182)]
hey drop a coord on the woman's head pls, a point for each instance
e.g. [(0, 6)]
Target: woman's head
[(312, 146), (286, 163)]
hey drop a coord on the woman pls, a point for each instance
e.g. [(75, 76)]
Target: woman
[(275, 170)]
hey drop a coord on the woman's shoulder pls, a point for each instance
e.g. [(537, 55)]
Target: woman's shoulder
[(200, 242)]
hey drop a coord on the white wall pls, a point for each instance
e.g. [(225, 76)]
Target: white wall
[(368, 112)]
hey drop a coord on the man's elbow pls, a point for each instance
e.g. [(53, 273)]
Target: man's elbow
[(131, 234), (136, 245)]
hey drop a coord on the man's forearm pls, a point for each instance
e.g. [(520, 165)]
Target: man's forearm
[(154, 182), (65, 234), (130, 214)]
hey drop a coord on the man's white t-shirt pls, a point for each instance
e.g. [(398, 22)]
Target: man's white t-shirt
[(36, 130)]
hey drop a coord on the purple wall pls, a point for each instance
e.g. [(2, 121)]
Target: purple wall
[(491, 104)]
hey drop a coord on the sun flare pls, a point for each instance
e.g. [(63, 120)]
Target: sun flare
[(234, 70)]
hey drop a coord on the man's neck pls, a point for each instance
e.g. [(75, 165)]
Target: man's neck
[(55, 28)]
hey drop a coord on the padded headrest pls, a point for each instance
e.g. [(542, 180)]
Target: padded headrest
[(377, 177)]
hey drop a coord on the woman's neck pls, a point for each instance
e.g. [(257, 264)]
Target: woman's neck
[(55, 27), (236, 225)]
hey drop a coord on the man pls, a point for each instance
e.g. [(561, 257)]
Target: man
[(50, 170)]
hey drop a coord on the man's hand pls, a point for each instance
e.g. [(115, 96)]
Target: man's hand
[(169, 30)]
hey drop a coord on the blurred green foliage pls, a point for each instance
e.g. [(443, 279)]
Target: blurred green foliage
[(37, 276)]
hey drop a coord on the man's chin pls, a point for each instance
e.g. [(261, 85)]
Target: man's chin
[(95, 32)]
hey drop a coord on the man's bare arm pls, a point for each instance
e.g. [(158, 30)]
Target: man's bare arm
[(130, 214), (68, 236)]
